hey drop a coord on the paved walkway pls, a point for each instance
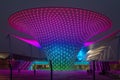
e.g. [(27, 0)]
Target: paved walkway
[(57, 75)]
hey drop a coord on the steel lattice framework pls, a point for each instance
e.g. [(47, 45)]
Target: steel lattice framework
[(60, 31)]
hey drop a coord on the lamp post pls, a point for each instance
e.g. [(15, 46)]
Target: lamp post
[(93, 72), (118, 47), (51, 70), (10, 58)]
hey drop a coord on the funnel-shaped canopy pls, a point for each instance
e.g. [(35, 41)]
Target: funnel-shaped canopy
[(60, 31)]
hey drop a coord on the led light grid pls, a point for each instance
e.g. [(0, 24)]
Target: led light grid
[(56, 26)]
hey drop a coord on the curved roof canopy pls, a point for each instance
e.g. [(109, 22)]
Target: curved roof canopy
[(60, 25)]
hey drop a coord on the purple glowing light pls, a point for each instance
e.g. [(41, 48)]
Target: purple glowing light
[(71, 25), (105, 38), (110, 36), (88, 43), (60, 31)]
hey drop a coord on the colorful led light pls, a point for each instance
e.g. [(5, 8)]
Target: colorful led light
[(60, 31), (82, 54)]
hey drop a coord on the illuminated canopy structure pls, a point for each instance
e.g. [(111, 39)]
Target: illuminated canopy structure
[(61, 32)]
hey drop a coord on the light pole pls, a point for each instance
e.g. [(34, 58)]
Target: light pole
[(51, 69), (11, 55)]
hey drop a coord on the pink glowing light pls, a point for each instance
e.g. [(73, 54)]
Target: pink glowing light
[(106, 38), (29, 41), (60, 25), (88, 43), (112, 35)]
